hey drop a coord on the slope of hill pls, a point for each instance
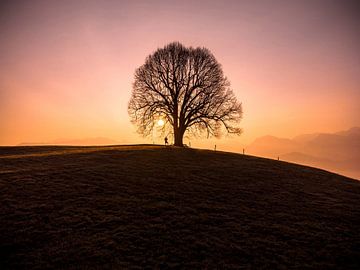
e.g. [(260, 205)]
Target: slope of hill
[(338, 152), (165, 207)]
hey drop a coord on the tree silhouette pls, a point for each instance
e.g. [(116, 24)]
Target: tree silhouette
[(186, 88)]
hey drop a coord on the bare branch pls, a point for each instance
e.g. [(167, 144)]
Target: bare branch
[(187, 88)]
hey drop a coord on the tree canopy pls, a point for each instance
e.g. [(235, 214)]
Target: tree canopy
[(186, 88)]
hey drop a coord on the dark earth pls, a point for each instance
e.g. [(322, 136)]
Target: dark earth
[(161, 207)]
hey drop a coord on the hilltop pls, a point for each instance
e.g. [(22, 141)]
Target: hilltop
[(167, 207)]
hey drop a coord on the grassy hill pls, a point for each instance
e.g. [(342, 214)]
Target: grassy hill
[(157, 207)]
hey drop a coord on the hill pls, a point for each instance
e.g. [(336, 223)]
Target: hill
[(166, 207), (338, 152)]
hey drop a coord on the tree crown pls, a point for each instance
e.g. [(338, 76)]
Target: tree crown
[(185, 87)]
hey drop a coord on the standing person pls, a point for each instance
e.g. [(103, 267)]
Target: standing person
[(166, 141)]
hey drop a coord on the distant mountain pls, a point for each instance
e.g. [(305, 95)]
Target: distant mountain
[(350, 132), (305, 138), (271, 146), (338, 152), (85, 141), (32, 144), (338, 147)]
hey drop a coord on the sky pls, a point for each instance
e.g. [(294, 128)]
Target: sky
[(67, 67)]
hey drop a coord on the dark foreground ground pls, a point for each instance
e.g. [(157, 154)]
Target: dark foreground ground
[(155, 207)]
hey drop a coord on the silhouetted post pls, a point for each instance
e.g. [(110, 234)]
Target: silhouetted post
[(166, 141), (278, 158), (243, 151), (215, 148), (189, 144)]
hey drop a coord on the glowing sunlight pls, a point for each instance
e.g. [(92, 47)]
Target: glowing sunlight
[(160, 122)]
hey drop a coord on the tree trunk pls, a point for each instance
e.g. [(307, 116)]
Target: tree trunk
[(178, 133), (178, 137)]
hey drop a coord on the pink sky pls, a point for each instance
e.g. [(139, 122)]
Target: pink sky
[(67, 67)]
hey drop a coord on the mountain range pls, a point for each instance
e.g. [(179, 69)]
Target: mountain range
[(77, 142), (338, 152)]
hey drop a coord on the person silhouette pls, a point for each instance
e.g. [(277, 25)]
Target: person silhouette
[(166, 141)]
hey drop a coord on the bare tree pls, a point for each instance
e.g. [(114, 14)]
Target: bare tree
[(186, 88)]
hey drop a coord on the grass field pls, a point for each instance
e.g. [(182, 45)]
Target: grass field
[(156, 207)]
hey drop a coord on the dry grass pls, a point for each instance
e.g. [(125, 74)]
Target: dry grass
[(157, 207)]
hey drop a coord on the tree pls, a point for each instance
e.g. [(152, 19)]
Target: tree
[(186, 88)]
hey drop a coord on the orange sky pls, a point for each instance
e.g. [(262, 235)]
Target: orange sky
[(67, 67)]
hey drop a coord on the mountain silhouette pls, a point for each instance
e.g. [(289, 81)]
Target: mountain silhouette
[(337, 152), (84, 141)]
